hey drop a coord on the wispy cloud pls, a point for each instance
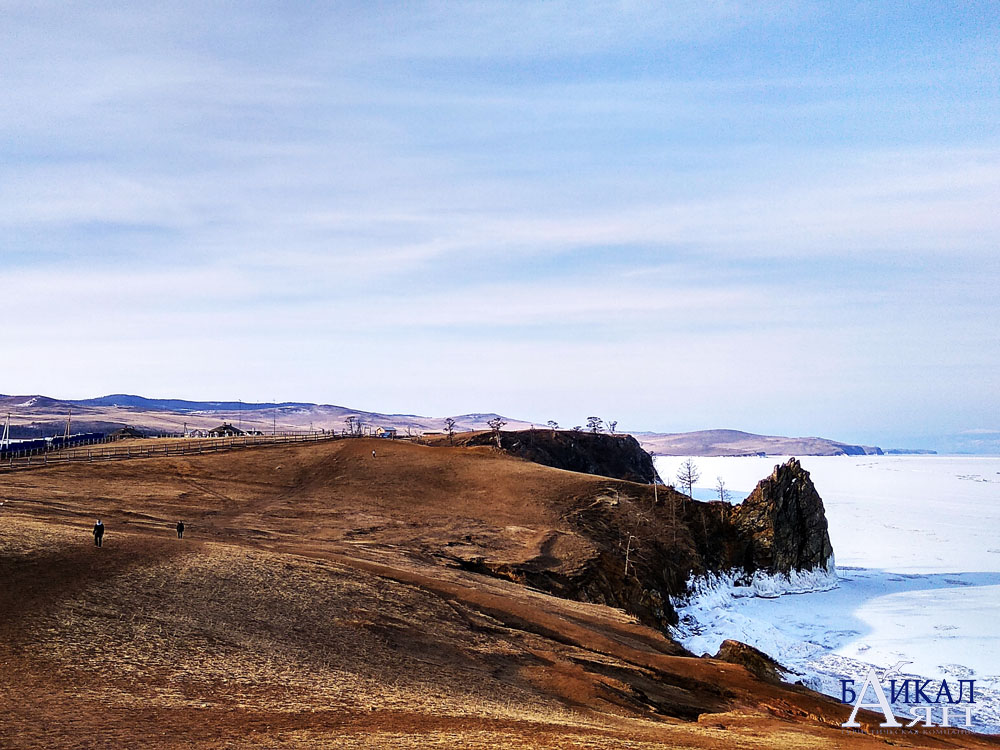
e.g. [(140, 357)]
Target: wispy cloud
[(709, 213)]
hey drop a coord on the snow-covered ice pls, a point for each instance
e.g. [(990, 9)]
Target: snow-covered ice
[(917, 540)]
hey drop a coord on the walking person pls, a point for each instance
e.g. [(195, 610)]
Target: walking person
[(180, 529), (99, 533), (373, 454)]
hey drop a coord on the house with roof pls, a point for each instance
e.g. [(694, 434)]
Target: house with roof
[(226, 430), (125, 433)]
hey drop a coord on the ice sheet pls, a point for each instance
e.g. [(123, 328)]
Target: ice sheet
[(917, 541)]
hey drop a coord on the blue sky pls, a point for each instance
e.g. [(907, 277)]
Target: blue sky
[(778, 217)]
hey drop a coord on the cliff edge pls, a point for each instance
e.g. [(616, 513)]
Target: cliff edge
[(612, 456)]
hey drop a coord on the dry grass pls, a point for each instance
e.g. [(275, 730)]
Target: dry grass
[(307, 610)]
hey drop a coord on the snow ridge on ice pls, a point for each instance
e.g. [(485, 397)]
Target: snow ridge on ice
[(734, 584)]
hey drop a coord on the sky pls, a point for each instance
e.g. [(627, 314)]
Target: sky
[(780, 217)]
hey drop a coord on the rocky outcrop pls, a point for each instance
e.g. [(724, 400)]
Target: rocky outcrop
[(613, 456), (784, 523), (754, 660), (644, 551), (658, 552)]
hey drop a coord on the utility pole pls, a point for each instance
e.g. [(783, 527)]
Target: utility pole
[(69, 420), (5, 439)]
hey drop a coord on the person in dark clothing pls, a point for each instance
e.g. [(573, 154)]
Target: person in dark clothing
[(180, 529), (99, 533)]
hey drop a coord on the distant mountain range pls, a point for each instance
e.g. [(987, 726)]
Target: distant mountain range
[(736, 443), (33, 416)]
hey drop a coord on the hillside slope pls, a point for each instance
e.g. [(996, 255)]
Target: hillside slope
[(323, 597)]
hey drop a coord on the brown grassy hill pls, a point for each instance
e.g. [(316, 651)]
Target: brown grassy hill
[(325, 598)]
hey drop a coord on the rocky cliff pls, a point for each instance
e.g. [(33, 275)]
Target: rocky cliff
[(645, 548), (613, 456), (783, 523)]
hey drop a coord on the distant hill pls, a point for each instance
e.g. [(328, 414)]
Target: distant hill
[(737, 443), (173, 404), (35, 415)]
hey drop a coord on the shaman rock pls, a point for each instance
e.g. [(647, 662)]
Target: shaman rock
[(783, 523)]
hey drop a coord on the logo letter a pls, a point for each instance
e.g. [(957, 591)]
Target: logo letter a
[(871, 679)]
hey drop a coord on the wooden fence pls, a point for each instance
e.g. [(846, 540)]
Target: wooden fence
[(155, 447)]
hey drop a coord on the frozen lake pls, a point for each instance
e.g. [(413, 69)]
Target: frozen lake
[(917, 544)]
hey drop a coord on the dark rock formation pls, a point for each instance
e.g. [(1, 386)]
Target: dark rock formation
[(613, 456), (784, 523)]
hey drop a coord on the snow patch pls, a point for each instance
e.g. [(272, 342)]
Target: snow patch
[(717, 588), (706, 617)]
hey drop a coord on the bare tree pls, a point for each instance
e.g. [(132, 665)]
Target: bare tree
[(656, 478), (350, 425), (449, 426), (630, 537), (612, 426), (687, 475), (720, 487), (553, 426), (628, 550), (595, 424), (495, 424)]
